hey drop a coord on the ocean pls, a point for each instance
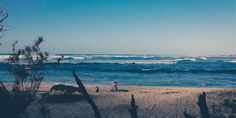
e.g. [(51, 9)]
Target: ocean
[(143, 70)]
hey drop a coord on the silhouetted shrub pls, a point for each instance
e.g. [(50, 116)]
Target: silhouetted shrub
[(26, 65)]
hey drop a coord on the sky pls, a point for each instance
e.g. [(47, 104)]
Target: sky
[(164, 27)]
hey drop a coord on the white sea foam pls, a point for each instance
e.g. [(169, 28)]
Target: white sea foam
[(53, 57), (134, 61), (203, 58), (156, 62), (79, 58), (146, 69), (232, 61), (3, 57), (186, 59)]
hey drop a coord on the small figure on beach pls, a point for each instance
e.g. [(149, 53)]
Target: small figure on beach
[(96, 89), (114, 86)]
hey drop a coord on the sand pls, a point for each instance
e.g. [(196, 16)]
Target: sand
[(153, 102)]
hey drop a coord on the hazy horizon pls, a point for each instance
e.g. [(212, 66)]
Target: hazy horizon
[(173, 27)]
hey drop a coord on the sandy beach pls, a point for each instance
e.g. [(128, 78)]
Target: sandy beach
[(117, 58), (153, 102)]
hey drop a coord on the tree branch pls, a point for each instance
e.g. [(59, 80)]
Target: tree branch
[(203, 105), (133, 108), (86, 96)]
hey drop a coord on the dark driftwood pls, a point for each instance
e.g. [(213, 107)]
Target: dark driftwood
[(86, 96), (203, 105), (5, 15), (133, 108), (3, 90)]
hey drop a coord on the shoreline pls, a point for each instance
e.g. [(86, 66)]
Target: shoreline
[(45, 86), (125, 85), (128, 86)]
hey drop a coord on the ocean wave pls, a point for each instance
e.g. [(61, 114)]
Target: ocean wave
[(156, 62), (131, 59), (110, 57), (3, 57), (170, 70), (135, 68), (203, 58), (125, 59), (55, 57), (186, 59), (232, 61)]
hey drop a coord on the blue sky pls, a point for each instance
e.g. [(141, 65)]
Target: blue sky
[(167, 27)]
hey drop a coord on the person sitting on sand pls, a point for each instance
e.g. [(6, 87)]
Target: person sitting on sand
[(114, 86)]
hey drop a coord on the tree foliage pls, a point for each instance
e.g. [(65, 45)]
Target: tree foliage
[(26, 66)]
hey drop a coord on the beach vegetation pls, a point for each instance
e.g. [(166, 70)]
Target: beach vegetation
[(26, 66)]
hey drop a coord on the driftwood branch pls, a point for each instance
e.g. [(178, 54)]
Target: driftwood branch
[(133, 108), (3, 89), (203, 105), (86, 96), (4, 17)]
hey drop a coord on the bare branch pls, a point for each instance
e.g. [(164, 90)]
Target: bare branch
[(133, 108), (86, 96), (203, 105)]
